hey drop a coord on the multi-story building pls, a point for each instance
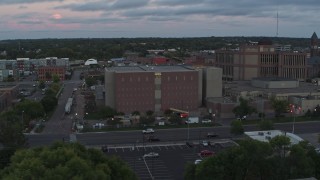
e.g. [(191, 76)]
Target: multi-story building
[(314, 48), (157, 88), (26, 66), (46, 73), (261, 60)]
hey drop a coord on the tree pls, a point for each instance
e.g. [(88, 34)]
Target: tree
[(300, 164), (279, 106), (48, 76), (175, 119), (135, 113), (266, 125), (236, 127), (55, 78), (42, 85), (30, 109), (11, 128), (55, 87), (167, 112), (249, 160), (243, 109), (10, 78), (65, 161), (49, 103), (106, 111), (90, 81), (146, 120), (280, 144), (149, 113)]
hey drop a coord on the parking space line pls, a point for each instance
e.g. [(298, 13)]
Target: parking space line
[(173, 147), (115, 149), (180, 147), (159, 147), (167, 147)]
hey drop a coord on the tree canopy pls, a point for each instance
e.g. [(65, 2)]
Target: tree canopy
[(65, 161), (257, 160), (243, 109), (11, 127)]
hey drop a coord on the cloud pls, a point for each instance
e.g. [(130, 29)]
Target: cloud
[(31, 22), (26, 1), (56, 16), (105, 6)]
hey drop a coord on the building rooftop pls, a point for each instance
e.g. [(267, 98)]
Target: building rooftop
[(241, 86), (266, 136), (149, 68)]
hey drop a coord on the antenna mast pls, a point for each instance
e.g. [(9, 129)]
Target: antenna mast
[(277, 23)]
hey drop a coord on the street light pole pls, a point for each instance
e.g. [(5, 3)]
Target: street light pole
[(294, 120), (22, 117), (188, 132)]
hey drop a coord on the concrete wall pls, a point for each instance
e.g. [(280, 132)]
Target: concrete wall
[(109, 89), (275, 84), (212, 82)]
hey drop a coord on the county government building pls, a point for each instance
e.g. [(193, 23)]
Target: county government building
[(157, 88)]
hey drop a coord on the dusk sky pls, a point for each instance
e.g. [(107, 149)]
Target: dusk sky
[(36, 19)]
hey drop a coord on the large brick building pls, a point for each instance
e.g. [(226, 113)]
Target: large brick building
[(153, 88), (261, 60), (156, 88), (45, 73)]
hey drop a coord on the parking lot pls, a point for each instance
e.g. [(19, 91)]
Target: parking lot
[(171, 161)]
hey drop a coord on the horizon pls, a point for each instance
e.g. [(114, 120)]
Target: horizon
[(72, 19), (62, 38)]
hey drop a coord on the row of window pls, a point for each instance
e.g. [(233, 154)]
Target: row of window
[(168, 78)]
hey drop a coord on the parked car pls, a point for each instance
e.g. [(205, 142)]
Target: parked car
[(206, 121), (151, 155), (198, 161), (104, 148), (148, 131), (206, 153), (189, 144), (205, 143), (212, 134), (153, 139), (242, 118)]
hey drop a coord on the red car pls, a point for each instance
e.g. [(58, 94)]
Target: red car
[(206, 153)]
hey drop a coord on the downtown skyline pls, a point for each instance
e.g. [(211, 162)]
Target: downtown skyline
[(37, 19)]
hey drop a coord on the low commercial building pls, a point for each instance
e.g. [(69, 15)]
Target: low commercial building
[(266, 136), (304, 96)]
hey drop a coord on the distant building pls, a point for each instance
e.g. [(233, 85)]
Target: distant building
[(46, 73), (261, 60), (91, 62), (314, 47)]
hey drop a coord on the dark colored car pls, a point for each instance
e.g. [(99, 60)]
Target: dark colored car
[(189, 144), (212, 134), (153, 139), (104, 149), (206, 153)]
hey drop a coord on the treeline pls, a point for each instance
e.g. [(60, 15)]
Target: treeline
[(106, 48)]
